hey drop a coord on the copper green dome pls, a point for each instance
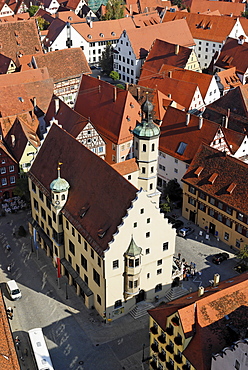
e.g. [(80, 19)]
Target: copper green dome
[(59, 185), (146, 129), (133, 250)]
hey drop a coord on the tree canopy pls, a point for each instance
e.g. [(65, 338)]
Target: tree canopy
[(114, 75), (106, 61), (114, 10), (173, 190), (42, 23), (32, 10)]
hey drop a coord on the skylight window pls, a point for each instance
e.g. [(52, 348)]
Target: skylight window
[(181, 148)]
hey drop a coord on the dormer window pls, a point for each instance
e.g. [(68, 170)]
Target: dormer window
[(113, 34), (101, 35), (89, 37), (212, 178)]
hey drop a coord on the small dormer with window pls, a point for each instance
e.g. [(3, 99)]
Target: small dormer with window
[(59, 191), (132, 269)]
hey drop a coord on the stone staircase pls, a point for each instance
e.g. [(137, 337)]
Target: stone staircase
[(141, 309), (175, 293)]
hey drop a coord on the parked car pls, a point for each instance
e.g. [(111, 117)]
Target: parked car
[(185, 231), (220, 257), (13, 290)]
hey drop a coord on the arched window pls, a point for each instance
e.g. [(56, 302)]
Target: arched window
[(144, 148), (153, 147), (63, 197)]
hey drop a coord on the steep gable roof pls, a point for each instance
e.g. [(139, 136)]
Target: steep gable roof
[(126, 167), (175, 130), (23, 39), (84, 171), (207, 315), (62, 64), (112, 111), (163, 52), (177, 32), (53, 31), (228, 78), (4, 63), (232, 55), (204, 26), (230, 170)]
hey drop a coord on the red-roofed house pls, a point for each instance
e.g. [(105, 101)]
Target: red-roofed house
[(134, 45), (213, 198), (114, 113), (227, 79), (188, 331), (181, 136), (9, 172)]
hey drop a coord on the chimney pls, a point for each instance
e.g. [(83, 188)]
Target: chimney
[(138, 93), (99, 77), (177, 49), (91, 24), (13, 140), (34, 101), (216, 279), (187, 118), (227, 118), (115, 94), (200, 122), (126, 85), (170, 74), (200, 291), (57, 15), (169, 96), (56, 105)]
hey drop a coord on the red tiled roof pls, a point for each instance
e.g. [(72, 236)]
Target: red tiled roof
[(112, 118), (203, 26), (163, 52), (146, 19), (205, 318), (84, 171), (174, 131), (177, 32), (231, 8), (148, 5), (230, 170), (126, 167), (63, 64), (229, 78), (53, 31), (23, 39), (232, 55), (8, 358)]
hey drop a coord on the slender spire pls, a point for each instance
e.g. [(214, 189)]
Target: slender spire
[(59, 165)]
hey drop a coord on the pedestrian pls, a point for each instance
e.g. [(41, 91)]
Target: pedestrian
[(8, 247), (179, 256), (9, 268), (17, 341)]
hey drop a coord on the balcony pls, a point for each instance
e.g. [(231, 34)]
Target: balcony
[(162, 356), (169, 348), (169, 330), (154, 347), (178, 359), (175, 321), (178, 340), (154, 330), (162, 338), (169, 366), (153, 364)]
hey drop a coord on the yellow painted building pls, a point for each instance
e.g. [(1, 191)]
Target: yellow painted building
[(214, 193)]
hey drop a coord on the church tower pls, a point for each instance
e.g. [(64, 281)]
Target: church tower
[(146, 140), (59, 189)]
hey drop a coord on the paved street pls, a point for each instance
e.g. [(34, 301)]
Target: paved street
[(77, 338)]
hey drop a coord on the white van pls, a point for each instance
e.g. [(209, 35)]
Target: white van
[(13, 290)]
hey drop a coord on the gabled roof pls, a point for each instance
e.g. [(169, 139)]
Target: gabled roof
[(112, 111), (84, 171), (230, 9), (107, 30), (6, 151), (149, 5), (126, 167), (175, 131), (20, 88), (180, 91), (72, 4), (63, 64), (53, 31), (23, 39), (228, 78), (146, 19), (236, 100), (205, 318), (202, 80), (203, 26), (4, 63), (232, 55), (163, 52), (177, 32), (230, 170), (69, 16), (15, 17), (18, 137)]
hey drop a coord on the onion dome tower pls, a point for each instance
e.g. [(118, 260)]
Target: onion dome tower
[(59, 189)]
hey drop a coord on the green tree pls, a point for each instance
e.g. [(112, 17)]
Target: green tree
[(173, 190), (165, 207), (120, 86), (32, 10), (114, 75), (42, 23), (106, 61), (243, 254), (21, 189), (114, 10), (244, 14)]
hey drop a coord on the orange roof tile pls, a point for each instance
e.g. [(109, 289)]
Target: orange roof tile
[(229, 79), (200, 316), (112, 111), (126, 167), (200, 6), (177, 32), (205, 27), (146, 19), (232, 55)]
